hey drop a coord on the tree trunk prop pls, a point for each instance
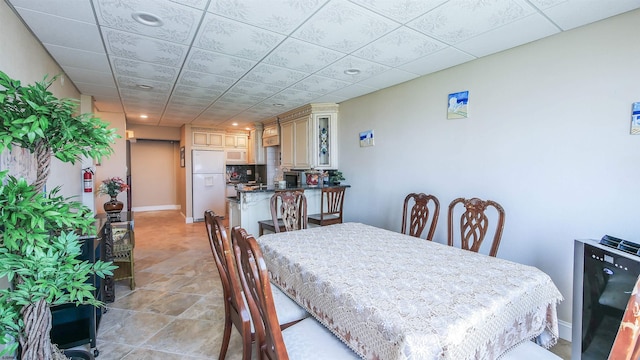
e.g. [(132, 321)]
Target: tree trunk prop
[(36, 343), (43, 161)]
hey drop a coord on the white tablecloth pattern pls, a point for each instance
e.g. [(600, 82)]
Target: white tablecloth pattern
[(392, 296)]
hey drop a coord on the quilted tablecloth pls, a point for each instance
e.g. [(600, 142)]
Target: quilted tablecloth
[(392, 296)]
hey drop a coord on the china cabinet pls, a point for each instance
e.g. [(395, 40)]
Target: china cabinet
[(308, 137)]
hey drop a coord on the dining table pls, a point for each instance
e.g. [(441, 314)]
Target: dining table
[(393, 296)]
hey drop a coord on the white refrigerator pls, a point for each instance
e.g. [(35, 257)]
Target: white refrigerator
[(208, 182)]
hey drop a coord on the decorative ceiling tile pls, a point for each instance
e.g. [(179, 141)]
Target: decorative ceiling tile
[(197, 92), (143, 96), (199, 103), (127, 82), (354, 90), (459, 20), (144, 70), (442, 59), (275, 15), (399, 47), (273, 75), (202, 80), (319, 84), (293, 97), (299, 55), (531, 28), (198, 4), (367, 69), (388, 78), (257, 89), (235, 38), (179, 22), (239, 100), (142, 48), (89, 76), (330, 25), (218, 64), (400, 10)]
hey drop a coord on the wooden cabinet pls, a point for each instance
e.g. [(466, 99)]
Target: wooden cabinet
[(308, 137), (294, 144), (236, 141), (203, 138)]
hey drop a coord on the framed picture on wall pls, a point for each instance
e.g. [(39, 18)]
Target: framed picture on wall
[(458, 105), (182, 156)]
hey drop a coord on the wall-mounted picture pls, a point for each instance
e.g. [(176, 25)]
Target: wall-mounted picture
[(182, 156), (366, 138), (635, 118), (458, 105)]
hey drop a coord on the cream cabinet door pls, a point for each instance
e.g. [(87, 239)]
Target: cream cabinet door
[(301, 146), (287, 145)]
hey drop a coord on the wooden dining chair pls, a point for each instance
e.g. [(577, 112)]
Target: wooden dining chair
[(474, 224), (416, 219), (235, 310), (331, 203), (288, 211), (307, 339)]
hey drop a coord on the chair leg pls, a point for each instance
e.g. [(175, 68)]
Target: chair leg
[(247, 345), (226, 335)]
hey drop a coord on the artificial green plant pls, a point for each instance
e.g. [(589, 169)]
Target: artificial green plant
[(39, 232)]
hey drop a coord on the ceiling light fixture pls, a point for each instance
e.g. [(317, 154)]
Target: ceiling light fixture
[(352, 71), (144, 87), (143, 116), (234, 124), (278, 105), (147, 19)]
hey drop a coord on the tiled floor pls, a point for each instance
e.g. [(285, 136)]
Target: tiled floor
[(176, 310)]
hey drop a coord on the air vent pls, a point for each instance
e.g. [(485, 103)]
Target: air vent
[(623, 245)]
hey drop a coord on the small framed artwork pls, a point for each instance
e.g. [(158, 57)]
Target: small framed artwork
[(366, 138), (182, 156), (635, 118), (458, 106)]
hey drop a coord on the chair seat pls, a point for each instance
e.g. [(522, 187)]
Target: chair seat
[(268, 225), (308, 340), (289, 312), (529, 350), (326, 220)]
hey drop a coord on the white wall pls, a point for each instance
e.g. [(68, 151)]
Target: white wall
[(154, 175), (547, 137)]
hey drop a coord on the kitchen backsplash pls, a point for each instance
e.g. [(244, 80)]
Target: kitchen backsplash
[(246, 173)]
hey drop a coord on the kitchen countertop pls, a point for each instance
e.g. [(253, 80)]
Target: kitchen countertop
[(256, 188)]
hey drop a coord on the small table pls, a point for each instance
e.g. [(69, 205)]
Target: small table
[(118, 233), (393, 296)]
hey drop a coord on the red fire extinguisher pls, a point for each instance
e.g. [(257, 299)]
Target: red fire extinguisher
[(87, 177)]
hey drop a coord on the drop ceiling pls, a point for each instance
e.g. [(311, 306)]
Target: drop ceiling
[(220, 62)]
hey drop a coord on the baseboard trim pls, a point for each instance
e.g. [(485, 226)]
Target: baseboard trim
[(564, 330), (155, 208)]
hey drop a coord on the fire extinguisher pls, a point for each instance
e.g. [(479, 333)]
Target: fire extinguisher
[(87, 177)]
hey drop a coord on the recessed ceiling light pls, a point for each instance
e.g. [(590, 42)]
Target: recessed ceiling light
[(144, 87), (352, 71), (143, 116), (147, 19), (234, 124), (278, 105), (248, 128)]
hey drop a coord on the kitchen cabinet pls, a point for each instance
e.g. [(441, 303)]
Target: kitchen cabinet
[(308, 137), (236, 141), (294, 144), (270, 136), (208, 139)]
